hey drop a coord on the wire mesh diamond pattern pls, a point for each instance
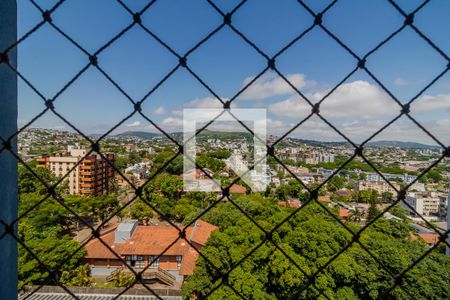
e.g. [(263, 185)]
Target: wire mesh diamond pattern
[(268, 236)]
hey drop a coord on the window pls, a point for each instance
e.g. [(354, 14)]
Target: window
[(155, 260), (140, 263), (129, 260), (136, 261), (179, 260)]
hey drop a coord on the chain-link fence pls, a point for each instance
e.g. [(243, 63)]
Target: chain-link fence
[(224, 277)]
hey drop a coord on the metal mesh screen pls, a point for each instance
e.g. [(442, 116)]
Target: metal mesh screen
[(224, 277)]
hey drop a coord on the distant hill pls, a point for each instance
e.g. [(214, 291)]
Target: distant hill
[(397, 144), (204, 135), (377, 144), (320, 143), (219, 135), (224, 135), (138, 134), (234, 135)]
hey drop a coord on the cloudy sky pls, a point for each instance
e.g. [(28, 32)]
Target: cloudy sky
[(226, 63)]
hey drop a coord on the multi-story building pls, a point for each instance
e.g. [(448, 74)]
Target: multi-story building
[(443, 205), (306, 155), (92, 176), (424, 203), (237, 163), (372, 176), (379, 186)]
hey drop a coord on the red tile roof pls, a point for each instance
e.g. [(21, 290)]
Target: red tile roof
[(324, 199), (153, 240), (188, 263), (429, 238), (238, 189), (96, 249), (292, 203), (202, 231), (343, 212)]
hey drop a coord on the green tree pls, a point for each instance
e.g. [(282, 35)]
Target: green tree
[(311, 238), (139, 210), (54, 249), (335, 183), (29, 183), (122, 279), (387, 196), (77, 277)]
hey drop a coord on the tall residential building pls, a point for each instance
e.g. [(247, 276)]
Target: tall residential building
[(424, 203), (92, 176)]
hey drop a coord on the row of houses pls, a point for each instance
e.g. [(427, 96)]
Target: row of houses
[(307, 156)]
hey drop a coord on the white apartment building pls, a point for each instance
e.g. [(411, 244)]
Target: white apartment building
[(424, 203), (237, 163), (379, 186)]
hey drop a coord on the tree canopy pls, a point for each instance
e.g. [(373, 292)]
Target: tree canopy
[(311, 238)]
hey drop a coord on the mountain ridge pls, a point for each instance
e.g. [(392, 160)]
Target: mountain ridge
[(247, 135)]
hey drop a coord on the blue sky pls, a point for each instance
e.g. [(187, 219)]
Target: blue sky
[(314, 64)]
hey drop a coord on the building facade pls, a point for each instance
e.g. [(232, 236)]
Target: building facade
[(156, 247), (379, 186), (424, 203), (92, 176)]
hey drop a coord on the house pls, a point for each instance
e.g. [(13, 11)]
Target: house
[(324, 199), (343, 213), (291, 203), (344, 192), (238, 189), (157, 247), (429, 238), (200, 180)]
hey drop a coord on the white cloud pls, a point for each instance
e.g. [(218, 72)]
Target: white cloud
[(159, 111), (428, 103), (177, 113), (357, 108), (208, 102), (172, 122), (292, 107), (401, 82), (134, 124), (270, 84), (402, 130), (443, 122), (354, 99)]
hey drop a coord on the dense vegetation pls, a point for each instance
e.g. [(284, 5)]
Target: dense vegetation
[(311, 238), (47, 231)]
